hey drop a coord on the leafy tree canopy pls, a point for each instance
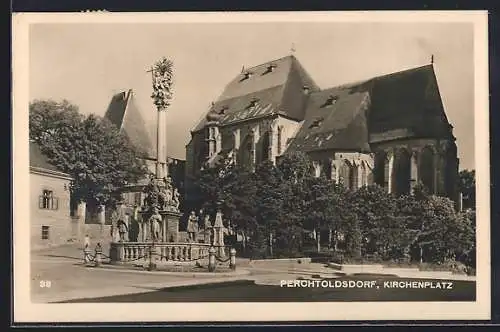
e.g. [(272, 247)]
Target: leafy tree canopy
[(92, 150), (467, 186)]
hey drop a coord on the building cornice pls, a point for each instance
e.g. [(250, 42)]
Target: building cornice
[(49, 172)]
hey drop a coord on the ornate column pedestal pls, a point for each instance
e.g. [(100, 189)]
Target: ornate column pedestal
[(170, 225), (218, 229)]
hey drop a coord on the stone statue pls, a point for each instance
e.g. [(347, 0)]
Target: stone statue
[(207, 224), (114, 231), (176, 199), (207, 230), (192, 226), (168, 197), (155, 224), (168, 183), (153, 194), (115, 218), (122, 230)]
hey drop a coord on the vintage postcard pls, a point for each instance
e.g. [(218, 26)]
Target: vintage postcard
[(251, 166)]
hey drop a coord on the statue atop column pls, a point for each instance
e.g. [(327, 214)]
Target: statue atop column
[(162, 83)]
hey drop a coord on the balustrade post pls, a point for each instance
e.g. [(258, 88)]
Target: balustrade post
[(98, 253), (232, 259), (86, 255), (211, 259)]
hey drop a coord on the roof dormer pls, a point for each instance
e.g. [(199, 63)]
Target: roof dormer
[(331, 100), (246, 75), (223, 110), (316, 123), (253, 102), (270, 68)]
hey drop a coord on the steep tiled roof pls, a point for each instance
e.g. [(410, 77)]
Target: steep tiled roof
[(123, 113), (260, 79), (240, 108), (407, 102), (400, 105), (335, 119), (277, 85), (39, 160)]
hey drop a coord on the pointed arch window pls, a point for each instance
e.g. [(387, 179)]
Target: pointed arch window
[(427, 168), (402, 172), (353, 176)]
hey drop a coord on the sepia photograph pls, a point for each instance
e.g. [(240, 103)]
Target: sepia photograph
[(250, 166)]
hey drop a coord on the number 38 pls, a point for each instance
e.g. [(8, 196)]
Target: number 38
[(45, 283)]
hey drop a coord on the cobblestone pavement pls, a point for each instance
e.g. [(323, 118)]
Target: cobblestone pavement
[(58, 274)]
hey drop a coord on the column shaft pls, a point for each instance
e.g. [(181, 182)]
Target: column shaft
[(161, 142), (390, 179)]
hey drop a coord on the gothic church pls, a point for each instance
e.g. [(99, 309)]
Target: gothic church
[(391, 130)]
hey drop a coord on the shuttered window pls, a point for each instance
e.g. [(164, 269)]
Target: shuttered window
[(47, 201)]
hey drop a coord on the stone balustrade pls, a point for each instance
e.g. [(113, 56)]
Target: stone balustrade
[(135, 252)]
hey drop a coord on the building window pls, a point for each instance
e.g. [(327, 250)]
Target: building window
[(280, 140), (47, 201), (353, 177), (364, 176), (45, 232)]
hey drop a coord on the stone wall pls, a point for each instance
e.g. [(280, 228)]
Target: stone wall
[(400, 165), (96, 233), (57, 219)]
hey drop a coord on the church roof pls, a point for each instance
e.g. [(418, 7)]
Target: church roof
[(335, 119), (407, 104), (123, 113), (352, 117), (241, 108), (275, 87)]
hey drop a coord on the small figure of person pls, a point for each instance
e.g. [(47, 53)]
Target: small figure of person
[(86, 241)]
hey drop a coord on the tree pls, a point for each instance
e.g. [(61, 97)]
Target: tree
[(230, 189), (269, 201), (436, 232), (467, 186), (295, 170), (100, 159), (375, 209), (322, 204)]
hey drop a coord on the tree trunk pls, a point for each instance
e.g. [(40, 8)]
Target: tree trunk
[(318, 238), (330, 238), (271, 243), (421, 253), (243, 241)]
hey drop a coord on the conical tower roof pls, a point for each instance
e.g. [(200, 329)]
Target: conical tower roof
[(124, 113)]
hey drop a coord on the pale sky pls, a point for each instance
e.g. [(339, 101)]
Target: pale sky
[(88, 63)]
